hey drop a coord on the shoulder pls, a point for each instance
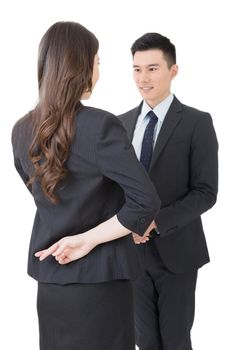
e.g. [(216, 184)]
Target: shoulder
[(21, 122), (97, 118), (199, 122), (197, 119), (129, 113), (22, 126), (192, 118), (189, 112), (194, 112), (93, 113)]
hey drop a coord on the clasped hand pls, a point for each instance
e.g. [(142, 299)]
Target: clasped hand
[(145, 238)]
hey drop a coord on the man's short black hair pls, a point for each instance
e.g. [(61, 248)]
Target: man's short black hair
[(150, 41)]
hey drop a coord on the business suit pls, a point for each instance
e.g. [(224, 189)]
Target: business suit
[(104, 179), (184, 171)]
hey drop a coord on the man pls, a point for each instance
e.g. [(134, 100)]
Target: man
[(178, 147)]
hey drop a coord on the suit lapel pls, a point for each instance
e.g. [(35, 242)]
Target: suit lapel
[(170, 122), (131, 121)]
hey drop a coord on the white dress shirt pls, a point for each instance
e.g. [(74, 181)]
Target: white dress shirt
[(160, 111)]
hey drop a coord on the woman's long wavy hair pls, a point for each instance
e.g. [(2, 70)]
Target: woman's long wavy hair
[(65, 68)]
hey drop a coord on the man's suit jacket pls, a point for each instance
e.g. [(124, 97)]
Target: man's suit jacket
[(184, 170), (104, 179)]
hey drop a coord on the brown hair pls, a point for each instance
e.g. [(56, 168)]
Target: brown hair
[(65, 68)]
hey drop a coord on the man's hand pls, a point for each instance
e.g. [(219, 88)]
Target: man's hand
[(140, 239), (145, 238)]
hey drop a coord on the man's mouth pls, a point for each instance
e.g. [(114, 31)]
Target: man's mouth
[(146, 88)]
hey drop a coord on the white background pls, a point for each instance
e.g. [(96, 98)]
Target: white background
[(202, 33)]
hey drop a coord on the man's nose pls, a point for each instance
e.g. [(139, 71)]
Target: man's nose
[(144, 77)]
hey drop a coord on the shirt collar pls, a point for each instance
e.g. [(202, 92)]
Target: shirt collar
[(160, 110)]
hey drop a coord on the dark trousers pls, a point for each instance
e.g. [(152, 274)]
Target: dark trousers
[(86, 316), (164, 304)]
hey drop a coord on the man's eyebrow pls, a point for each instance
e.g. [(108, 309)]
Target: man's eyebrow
[(149, 65)]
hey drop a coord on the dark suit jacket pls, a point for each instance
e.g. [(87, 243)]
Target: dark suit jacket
[(184, 170), (104, 178)]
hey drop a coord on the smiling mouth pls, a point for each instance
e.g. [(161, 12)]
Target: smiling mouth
[(146, 88)]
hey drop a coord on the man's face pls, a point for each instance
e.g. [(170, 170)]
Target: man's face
[(152, 75)]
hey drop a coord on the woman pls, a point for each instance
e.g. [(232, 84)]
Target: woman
[(90, 192)]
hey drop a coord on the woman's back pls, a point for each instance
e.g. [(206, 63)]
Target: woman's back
[(103, 177)]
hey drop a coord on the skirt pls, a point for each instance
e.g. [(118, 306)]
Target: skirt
[(86, 316)]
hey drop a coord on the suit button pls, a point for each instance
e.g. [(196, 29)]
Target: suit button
[(142, 220)]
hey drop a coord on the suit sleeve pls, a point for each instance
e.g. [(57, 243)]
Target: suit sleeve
[(17, 162), (117, 161), (203, 181)]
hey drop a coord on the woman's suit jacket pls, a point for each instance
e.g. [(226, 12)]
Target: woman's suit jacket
[(104, 179)]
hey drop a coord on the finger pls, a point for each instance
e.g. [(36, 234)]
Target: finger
[(64, 261), (146, 235), (59, 250), (62, 245), (138, 241), (38, 254), (143, 240), (60, 257), (48, 251)]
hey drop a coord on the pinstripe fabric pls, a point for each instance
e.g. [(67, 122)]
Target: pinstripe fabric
[(105, 178)]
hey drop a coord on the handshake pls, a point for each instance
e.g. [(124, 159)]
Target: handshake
[(151, 232)]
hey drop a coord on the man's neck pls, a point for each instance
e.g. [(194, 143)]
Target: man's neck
[(156, 102)]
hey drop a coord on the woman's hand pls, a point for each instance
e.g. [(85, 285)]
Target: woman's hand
[(145, 238), (68, 249), (140, 239)]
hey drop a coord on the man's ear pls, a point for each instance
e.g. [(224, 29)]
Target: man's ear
[(174, 71)]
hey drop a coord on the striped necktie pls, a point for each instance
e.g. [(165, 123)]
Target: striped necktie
[(147, 142)]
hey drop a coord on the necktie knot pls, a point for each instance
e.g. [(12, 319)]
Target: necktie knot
[(152, 116)]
